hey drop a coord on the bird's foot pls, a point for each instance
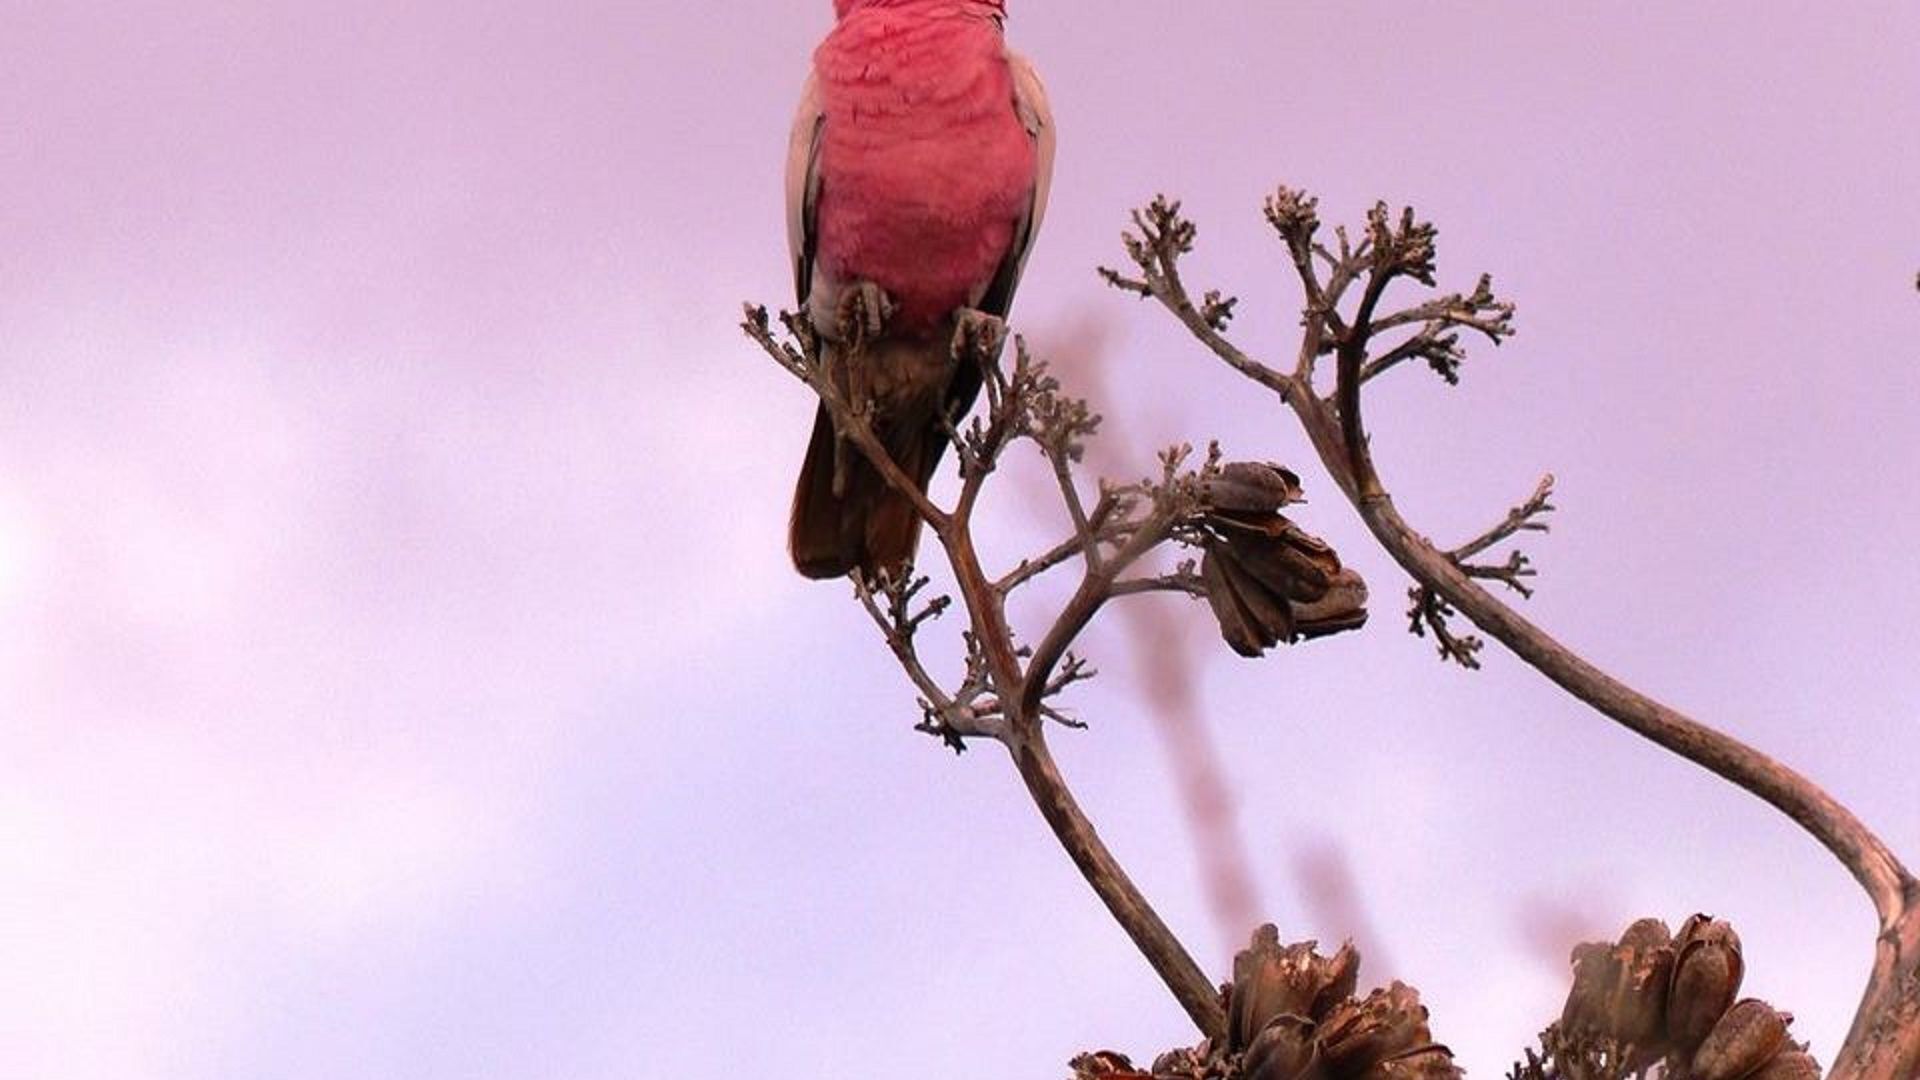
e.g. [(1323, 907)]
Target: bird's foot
[(978, 336), (862, 315), (864, 311)]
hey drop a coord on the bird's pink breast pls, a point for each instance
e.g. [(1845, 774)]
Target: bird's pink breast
[(925, 167)]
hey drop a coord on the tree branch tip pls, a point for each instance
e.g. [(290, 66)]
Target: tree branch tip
[(1125, 284)]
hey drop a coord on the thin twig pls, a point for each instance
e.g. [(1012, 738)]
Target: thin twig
[(805, 365), (1185, 581), (1097, 531), (1097, 584), (1522, 518)]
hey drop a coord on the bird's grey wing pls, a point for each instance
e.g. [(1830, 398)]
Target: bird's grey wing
[(803, 186), (1030, 103)]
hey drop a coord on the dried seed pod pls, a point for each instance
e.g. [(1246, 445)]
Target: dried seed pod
[(1294, 565), (1260, 486), (1262, 601), (1272, 980), (1707, 970), (1390, 1023), (1251, 619), (1106, 1064), (1747, 1037), (1431, 1062), (1621, 990), (1186, 1063), (1284, 1050), (1792, 1065), (1344, 607), (1263, 575), (1646, 934), (1594, 973)]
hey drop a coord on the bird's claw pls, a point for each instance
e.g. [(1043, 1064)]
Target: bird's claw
[(862, 315), (978, 335), (864, 311)]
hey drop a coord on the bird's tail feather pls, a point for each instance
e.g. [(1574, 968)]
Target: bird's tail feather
[(866, 525)]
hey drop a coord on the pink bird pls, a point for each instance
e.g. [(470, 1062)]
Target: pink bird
[(919, 166)]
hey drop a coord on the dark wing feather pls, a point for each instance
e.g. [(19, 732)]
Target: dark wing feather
[(803, 186), (1030, 102)]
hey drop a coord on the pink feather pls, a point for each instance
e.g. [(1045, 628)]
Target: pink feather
[(925, 168)]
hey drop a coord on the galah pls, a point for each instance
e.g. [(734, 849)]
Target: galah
[(918, 169)]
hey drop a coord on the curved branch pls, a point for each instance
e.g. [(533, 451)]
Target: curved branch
[(1870, 861), (1884, 1043), (1339, 437), (1117, 891)]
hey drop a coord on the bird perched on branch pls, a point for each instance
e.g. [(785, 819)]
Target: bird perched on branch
[(916, 178)]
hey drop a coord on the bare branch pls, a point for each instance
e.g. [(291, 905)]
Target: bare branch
[(1101, 527), (1438, 341), (1009, 693), (1096, 587), (1184, 580), (1162, 238), (1430, 613), (950, 717), (803, 359), (1150, 934), (1446, 583), (1523, 518)]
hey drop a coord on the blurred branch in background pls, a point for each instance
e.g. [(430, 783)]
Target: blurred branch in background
[(1323, 872)]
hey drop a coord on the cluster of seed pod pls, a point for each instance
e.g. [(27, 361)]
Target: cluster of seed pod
[(1292, 1015), (1674, 998), (1267, 580)]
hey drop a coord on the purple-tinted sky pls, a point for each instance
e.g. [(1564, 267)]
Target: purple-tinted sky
[(400, 674)]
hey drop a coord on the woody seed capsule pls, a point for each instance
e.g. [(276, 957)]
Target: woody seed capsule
[(1433, 1062), (1747, 1037), (1792, 1065), (1284, 1050), (1706, 977), (1270, 980), (1388, 1024), (1250, 485)]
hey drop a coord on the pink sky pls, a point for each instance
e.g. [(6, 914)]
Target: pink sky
[(400, 674)]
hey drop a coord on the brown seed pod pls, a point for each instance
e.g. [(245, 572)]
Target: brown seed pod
[(1621, 990), (1272, 980), (1284, 1050), (1791, 1065), (1594, 972), (1431, 1062), (1105, 1064), (1186, 1063), (1747, 1037), (1390, 1023), (1646, 934), (1252, 619), (1707, 971), (1258, 486), (1343, 608), (1286, 559)]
